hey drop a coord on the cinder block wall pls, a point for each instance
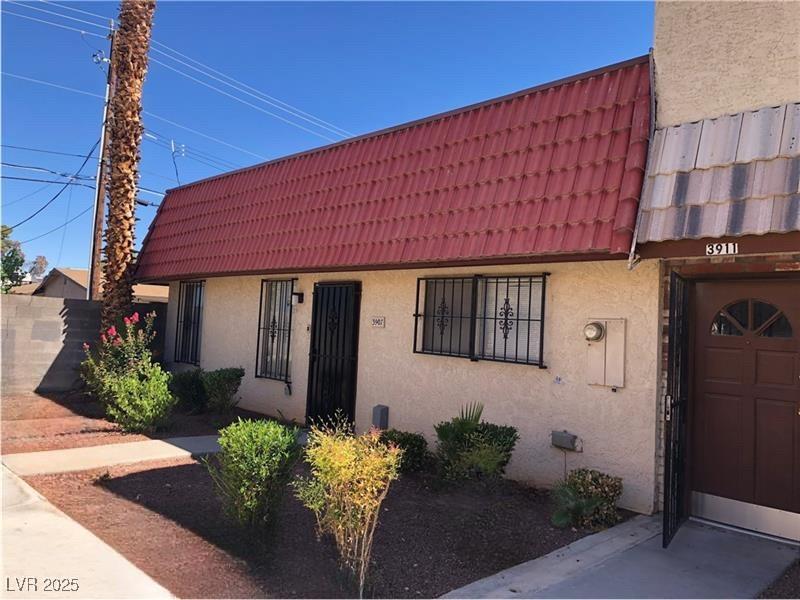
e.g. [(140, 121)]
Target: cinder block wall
[(42, 340)]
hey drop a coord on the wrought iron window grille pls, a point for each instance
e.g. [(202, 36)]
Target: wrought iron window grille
[(273, 359), (188, 329), (497, 318)]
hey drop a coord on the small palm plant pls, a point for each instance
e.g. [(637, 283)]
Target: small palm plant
[(571, 507)]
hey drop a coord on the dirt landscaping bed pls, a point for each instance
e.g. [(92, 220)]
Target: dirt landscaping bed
[(786, 586), (166, 518), (56, 421)]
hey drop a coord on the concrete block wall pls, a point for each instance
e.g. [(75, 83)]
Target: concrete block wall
[(42, 341)]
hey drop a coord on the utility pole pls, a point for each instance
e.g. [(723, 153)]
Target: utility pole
[(95, 270)]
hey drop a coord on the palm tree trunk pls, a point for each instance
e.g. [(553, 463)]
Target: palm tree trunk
[(130, 63)]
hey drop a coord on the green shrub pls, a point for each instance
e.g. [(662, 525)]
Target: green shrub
[(350, 477), (221, 387), (188, 388), (468, 447), (120, 372), (416, 456), (587, 498), (139, 400), (118, 353), (252, 468)]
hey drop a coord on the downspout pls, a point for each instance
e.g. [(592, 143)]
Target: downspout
[(633, 258)]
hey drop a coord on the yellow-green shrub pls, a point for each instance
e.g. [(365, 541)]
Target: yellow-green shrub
[(350, 477)]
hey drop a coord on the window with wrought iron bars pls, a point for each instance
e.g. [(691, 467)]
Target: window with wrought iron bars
[(275, 330), (482, 318), (190, 312)]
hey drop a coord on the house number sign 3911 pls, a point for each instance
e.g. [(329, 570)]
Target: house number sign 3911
[(720, 249)]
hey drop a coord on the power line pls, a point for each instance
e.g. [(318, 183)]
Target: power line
[(57, 153), (80, 214), (78, 10), (26, 196), (5, 11), (48, 181), (266, 99), (262, 94), (148, 113), (50, 12), (245, 102), (64, 230), (43, 170), (263, 97), (66, 185)]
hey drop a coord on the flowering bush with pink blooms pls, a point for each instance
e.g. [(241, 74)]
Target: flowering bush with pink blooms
[(121, 373)]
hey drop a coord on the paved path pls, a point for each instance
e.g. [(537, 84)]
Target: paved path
[(627, 561), (39, 542), (94, 457)]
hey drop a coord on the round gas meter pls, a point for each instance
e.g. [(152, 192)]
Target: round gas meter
[(594, 331)]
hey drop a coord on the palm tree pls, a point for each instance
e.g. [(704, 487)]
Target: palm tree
[(129, 57)]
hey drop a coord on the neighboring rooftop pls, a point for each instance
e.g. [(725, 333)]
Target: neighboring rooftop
[(731, 176), (141, 292), (553, 171)]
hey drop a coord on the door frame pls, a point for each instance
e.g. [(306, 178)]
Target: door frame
[(357, 290), (689, 502)]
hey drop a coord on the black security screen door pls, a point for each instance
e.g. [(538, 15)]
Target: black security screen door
[(334, 351), (675, 409)]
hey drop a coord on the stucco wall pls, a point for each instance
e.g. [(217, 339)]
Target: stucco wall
[(617, 428), (715, 58)]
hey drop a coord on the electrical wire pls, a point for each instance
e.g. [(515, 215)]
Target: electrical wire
[(64, 230), (145, 112), (5, 12), (50, 12), (43, 151), (267, 99), (292, 111), (48, 181), (26, 196), (78, 10), (66, 185), (80, 214), (44, 170), (285, 106), (245, 102)]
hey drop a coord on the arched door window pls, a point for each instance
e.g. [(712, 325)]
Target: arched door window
[(760, 318)]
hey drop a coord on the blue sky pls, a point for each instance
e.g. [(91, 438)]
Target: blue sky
[(359, 66)]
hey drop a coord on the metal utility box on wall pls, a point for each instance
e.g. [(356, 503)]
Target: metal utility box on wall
[(605, 355)]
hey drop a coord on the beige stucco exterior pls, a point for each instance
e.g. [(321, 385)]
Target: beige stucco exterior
[(715, 58), (617, 428)]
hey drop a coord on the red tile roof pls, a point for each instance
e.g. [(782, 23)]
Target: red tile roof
[(553, 171)]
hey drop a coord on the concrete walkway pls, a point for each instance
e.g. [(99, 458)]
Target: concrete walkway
[(95, 457), (40, 542), (627, 561)]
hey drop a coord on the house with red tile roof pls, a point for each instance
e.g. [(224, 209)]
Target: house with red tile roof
[(480, 255), (609, 263)]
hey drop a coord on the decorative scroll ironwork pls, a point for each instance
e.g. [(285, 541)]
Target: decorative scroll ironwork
[(442, 312), (479, 317), (274, 329), (333, 321), (506, 321)]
